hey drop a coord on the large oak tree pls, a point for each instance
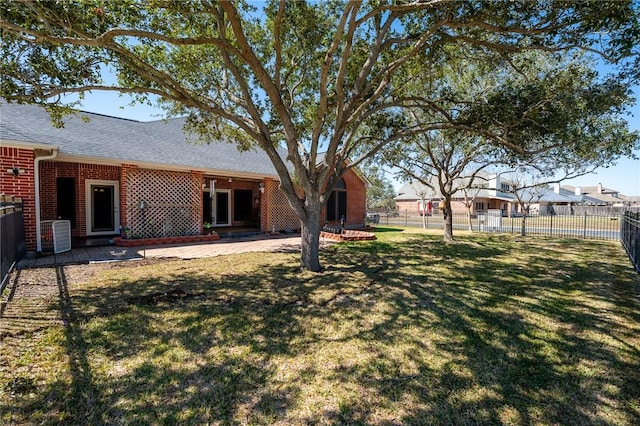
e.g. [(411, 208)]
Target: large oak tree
[(321, 77)]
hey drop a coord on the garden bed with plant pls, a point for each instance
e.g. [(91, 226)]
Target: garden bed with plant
[(139, 242)]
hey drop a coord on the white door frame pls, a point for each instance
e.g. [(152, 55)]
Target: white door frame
[(214, 207), (88, 184)]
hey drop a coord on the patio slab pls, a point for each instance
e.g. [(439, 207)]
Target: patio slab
[(280, 243)]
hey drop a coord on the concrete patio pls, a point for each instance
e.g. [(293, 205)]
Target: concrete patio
[(277, 243)]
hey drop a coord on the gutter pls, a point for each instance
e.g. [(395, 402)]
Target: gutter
[(36, 178)]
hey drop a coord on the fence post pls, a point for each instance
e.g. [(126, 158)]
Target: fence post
[(584, 233), (551, 227), (406, 218)]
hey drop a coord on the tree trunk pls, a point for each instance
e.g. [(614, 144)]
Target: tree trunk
[(469, 221), (310, 232), (523, 230), (448, 221), (424, 214)]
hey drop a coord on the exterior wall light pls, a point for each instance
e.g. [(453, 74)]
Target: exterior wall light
[(15, 171)]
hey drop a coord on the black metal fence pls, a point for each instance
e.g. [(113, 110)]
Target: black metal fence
[(590, 210), (12, 243), (630, 237), (586, 226), (612, 224)]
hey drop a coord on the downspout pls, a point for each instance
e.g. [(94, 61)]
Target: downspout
[(36, 179)]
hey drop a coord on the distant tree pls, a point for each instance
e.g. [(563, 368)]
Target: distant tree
[(469, 196), (380, 192), (443, 162), (323, 77), (528, 186), (425, 193)]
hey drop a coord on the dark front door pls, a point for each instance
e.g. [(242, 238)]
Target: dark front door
[(206, 207), (337, 206), (102, 208), (66, 199), (242, 205), (222, 208)]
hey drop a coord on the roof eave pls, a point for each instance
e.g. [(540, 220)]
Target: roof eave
[(68, 158), (9, 143)]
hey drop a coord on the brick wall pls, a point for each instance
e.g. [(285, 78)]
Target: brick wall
[(356, 200), (22, 186), (50, 171), (270, 185), (412, 207), (125, 169), (156, 188), (457, 206), (276, 212)]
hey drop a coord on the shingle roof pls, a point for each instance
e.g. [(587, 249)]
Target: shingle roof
[(592, 196), (547, 195), (160, 142)]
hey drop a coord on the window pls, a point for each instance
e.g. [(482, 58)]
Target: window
[(337, 203), (505, 187), (479, 206)]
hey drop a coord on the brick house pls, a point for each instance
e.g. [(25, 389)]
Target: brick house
[(112, 174), (487, 193), (490, 192)]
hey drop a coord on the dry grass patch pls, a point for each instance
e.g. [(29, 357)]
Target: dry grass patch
[(402, 330)]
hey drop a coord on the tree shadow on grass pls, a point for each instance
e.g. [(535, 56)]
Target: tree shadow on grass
[(379, 338), (74, 393), (171, 379), (505, 347), (505, 365)]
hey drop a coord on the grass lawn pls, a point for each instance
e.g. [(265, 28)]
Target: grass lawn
[(496, 329)]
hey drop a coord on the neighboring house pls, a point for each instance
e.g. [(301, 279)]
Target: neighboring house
[(488, 192), (600, 196), (111, 174), (541, 200)]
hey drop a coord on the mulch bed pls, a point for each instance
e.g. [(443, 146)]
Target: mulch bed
[(349, 235)]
